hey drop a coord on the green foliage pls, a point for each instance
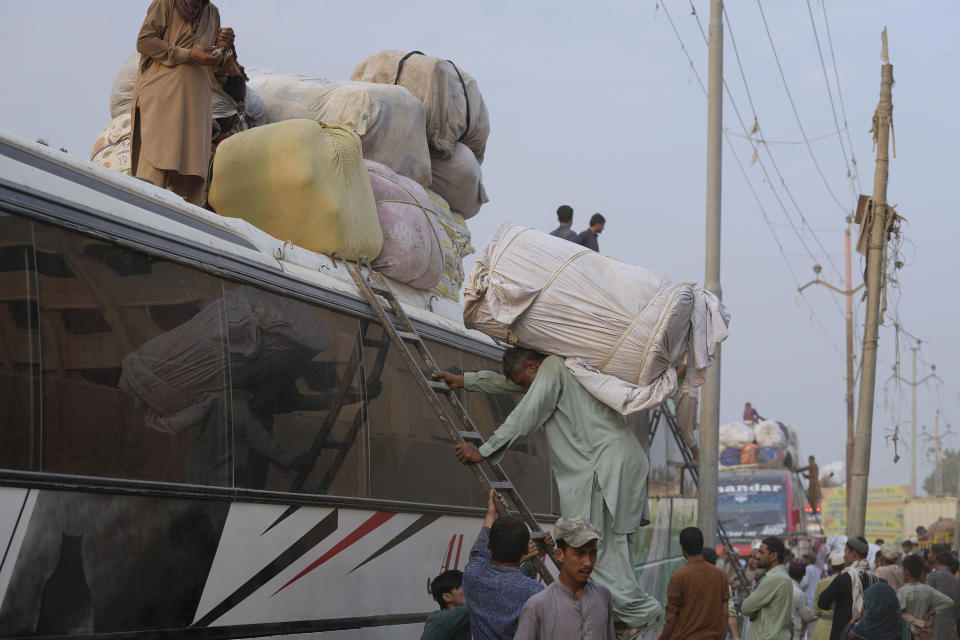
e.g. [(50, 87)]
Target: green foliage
[(951, 470)]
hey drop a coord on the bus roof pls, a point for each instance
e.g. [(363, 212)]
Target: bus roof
[(122, 202)]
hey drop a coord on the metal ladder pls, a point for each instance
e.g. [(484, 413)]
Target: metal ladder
[(444, 402), (662, 412)]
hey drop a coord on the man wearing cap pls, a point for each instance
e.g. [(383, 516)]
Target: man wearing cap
[(574, 606), (845, 593), (825, 616), (697, 595), (888, 567), (599, 464), (771, 604)]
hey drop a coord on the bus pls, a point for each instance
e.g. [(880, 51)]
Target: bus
[(758, 501), (174, 459)]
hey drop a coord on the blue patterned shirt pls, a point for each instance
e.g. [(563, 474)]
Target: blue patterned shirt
[(495, 593)]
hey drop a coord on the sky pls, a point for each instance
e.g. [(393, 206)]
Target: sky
[(598, 106)]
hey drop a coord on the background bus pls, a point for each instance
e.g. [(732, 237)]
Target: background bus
[(755, 502)]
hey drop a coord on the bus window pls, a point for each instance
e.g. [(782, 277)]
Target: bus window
[(134, 357), (20, 271), (288, 399), (411, 455)]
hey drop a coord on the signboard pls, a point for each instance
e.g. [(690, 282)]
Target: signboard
[(884, 511)]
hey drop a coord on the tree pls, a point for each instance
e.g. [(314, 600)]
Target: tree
[(950, 469)]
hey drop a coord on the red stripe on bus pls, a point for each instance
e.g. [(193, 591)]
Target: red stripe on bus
[(372, 523)]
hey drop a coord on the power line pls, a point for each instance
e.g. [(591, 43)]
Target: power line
[(796, 113), (817, 139), (843, 108), (833, 108), (773, 162), (753, 192)]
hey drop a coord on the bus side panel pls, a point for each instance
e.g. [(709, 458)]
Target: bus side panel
[(80, 563), (328, 563)]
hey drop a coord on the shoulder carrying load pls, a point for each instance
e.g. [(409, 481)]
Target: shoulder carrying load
[(622, 328), (299, 181), (179, 375), (112, 148), (389, 120), (459, 181), (455, 108), (412, 251), (456, 247)]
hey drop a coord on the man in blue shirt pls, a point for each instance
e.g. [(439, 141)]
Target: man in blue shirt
[(495, 588), (588, 237), (565, 218)]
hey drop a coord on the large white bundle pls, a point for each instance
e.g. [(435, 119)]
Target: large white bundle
[(769, 434), (735, 436), (455, 111), (390, 121), (622, 328)]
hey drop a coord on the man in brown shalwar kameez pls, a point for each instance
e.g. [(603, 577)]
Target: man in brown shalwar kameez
[(812, 473), (171, 116)]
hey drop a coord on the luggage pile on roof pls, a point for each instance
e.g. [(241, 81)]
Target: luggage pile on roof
[(384, 166), (763, 443)]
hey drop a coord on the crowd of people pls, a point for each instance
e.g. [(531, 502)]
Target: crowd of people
[(896, 595)]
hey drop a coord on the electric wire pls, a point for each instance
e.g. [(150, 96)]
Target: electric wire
[(773, 162), (796, 113), (833, 108), (753, 192), (843, 108), (803, 220)]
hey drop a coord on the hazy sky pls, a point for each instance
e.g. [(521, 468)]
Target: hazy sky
[(595, 105)]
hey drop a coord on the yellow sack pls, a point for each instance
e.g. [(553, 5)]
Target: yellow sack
[(299, 181)]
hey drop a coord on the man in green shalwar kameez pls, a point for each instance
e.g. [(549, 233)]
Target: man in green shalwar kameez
[(600, 466)]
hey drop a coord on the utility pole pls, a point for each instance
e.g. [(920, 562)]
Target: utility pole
[(956, 526), (710, 397), (848, 294), (914, 383), (875, 225)]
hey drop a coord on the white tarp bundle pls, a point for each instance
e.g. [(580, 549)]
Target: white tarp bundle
[(390, 121), (623, 329), (769, 434), (179, 375), (735, 436)]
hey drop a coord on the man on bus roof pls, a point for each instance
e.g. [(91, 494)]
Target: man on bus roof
[(171, 118), (600, 466)]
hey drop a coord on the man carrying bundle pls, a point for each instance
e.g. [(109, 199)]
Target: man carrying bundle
[(600, 466)]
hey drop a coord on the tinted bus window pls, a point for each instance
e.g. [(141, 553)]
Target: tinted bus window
[(134, 359), (20, 408), (411, 454)]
